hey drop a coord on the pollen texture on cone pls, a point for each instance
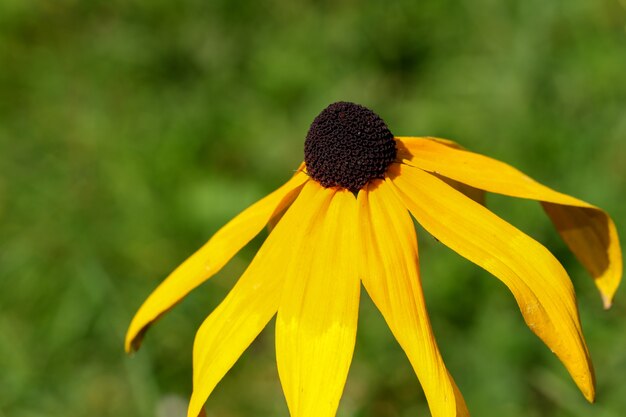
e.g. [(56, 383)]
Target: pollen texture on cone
[(347, 146)]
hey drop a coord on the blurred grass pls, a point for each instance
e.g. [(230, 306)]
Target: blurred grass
[(131, 131)]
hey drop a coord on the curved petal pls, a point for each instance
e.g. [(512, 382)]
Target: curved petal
[(252, 302), (390, 274), (539, 283), (591, 235), (317, 318), (588, 231), (210, 258)]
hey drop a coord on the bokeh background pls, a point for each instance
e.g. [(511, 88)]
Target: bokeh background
[(130, 131)]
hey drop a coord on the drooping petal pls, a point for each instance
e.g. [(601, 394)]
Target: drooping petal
[(539, 283), (591, 235), (317, 318), (210, 258), (588, 231), (390, 274), (252, 302)]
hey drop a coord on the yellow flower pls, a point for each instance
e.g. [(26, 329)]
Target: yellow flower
[(325, 242)]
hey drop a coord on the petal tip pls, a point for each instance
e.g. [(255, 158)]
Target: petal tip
[(133, 339), (129, 347), (128, 344), (588, 385), (590, 395)]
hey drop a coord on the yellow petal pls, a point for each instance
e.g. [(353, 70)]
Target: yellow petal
[(236, 322), (210, 258), (278, 214), (592, 237), (317, 318), (407, 141), (390, 274), (404, 154), (588, 231), (539, 283)]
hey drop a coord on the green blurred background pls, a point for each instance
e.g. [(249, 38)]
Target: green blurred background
[(130, 131)]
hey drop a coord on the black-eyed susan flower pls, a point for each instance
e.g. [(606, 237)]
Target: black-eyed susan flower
[(342, 220)]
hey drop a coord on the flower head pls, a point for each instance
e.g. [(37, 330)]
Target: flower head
[(348, 146), (346, 221)]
